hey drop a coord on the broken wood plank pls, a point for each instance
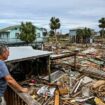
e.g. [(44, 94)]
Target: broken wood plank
[(57, 98)]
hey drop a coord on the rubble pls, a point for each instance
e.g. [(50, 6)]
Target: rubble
[(77, 78)]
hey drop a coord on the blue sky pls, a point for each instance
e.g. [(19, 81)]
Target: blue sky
[(72, 13)]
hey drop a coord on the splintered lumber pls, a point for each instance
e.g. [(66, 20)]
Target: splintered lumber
[(47, 101), (54, 57), (76, 86), (76, 94), (98, 88), (93, 72), (79, 83), (98, 83), (57, 97)]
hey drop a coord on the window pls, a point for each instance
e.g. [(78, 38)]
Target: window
[(16, 35), (38, 35)]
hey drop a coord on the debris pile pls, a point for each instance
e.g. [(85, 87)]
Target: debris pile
[(77, 78), (71, 88)]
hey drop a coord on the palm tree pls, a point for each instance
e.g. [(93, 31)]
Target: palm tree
[(102, 25), (102, 33), (27, 32), (54, 25), (87, 34), (83, 34), (79, 35)]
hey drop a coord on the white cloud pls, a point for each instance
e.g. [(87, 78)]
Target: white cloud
[(88, 12), (72, 13)]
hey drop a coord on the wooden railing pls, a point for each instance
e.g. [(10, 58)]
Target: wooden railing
[(15, 98)]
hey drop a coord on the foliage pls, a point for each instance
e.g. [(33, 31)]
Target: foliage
[(102, 26), (51, 33), (27, 32), (102, 23), (79, 35), (54, 25), (82, 35), (102, 33)]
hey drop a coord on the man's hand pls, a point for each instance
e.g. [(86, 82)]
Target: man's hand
[(24, 90), (11, 81)]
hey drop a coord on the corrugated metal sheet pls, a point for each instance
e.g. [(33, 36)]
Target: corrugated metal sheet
[(25, 52)]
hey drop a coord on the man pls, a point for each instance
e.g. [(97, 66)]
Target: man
[(5, 77)]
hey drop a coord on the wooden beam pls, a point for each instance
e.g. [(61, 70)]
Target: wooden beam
[(57, 98)]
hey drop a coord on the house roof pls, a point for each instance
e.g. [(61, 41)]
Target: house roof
[(9, 28), (13, 27), (22, 53)]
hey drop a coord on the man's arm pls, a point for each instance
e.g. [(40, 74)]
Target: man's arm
[(11, 81)]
